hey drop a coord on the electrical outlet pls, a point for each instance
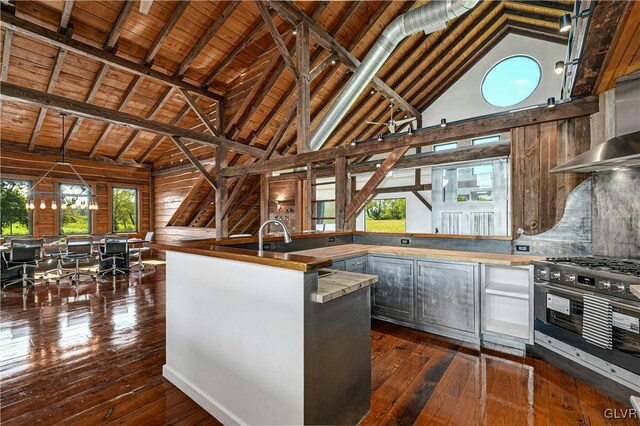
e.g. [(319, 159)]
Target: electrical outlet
[(266, 246), (523, 248), (404, 241), (332, 239)]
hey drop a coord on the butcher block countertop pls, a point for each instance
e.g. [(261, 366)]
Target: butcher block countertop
[(349, 250), (336, 284)]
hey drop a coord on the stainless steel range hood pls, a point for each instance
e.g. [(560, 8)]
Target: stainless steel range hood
[(621, 151)]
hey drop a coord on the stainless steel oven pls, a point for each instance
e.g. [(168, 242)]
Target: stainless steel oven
[(580, 308)]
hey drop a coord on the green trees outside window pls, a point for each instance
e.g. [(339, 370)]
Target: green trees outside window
[(386, 215), (13, 207), (75, 217), (125, 209)]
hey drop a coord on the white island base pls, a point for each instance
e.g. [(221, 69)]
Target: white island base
[(251, 345)]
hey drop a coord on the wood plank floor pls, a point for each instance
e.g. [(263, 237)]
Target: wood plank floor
[(94, 355)]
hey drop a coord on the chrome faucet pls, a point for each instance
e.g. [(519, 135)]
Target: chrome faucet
[(287, 237)]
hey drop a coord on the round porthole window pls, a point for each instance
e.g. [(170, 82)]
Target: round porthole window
[(511, 81)]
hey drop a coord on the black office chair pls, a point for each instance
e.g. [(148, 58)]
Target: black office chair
[(115, 248), (55, 249), (24, 254), (137, 252), (78, 250)]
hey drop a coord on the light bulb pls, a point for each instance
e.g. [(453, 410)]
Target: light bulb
[(54, 205), (559, 68), (43, 205), (27, 204), (32, 205)]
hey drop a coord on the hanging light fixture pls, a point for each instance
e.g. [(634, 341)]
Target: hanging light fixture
[(443, 122), (90, 196)]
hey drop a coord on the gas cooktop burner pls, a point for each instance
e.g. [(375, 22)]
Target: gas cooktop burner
[(620, 266)]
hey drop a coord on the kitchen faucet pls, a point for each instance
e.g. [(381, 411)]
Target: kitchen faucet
[(287, 237)]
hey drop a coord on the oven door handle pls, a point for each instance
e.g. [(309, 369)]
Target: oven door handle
[(562, 290), (633, 308)]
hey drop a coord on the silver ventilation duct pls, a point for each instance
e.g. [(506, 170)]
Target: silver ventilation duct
[(428, 18)]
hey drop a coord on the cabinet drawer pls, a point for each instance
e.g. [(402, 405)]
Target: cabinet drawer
[(357, 264), (339, 264), (393, 293)]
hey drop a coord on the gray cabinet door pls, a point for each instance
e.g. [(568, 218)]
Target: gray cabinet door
[(393, 293), (357, 264), (446, 295), (339, 264)]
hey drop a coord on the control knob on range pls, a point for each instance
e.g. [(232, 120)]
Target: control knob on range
[(570, 278), (605, 284), (618, 288), (555, 275)]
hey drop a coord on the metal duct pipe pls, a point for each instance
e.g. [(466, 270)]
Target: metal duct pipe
[(428, 18)]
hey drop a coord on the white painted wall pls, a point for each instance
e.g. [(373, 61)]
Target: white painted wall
[(235, 341), (464, 98)]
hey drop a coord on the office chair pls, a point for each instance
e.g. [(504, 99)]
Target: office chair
[(78, 249), (116, 247), (137, 252), (24, 254), (55, 249)]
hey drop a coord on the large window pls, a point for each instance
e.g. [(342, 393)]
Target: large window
[(511, 81), (75, 217), (386, 215), (445, 146), (125, 209), (326, 215), (16, 218), (485, 139)]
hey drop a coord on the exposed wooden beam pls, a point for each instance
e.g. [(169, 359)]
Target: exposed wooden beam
[(66, 15), (19, 94), (201, 115), (192, 158), (75, 125), (310, 198), (403, 188), (118, 26), (222, 194), (341, 191), (54, 38), (6, 54), (303, 122), (164, 32), (256, 27), (206, 37), (464, 129), (156, 108), (158, 140), (318, 69), (422, 200), (128, 94), (295, 15), (277, 38), (417, 161), (368, 189)]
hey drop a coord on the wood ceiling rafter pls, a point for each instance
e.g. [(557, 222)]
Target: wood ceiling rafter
[(206, 37), (55, 71), (127, 8), (164, 32)]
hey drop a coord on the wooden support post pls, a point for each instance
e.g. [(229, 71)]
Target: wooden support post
[(341, 192), (304, 95), (368, 189), (299, 201), (264, 197), (418, 171), (351, 223), (222, 193), (310, 198)]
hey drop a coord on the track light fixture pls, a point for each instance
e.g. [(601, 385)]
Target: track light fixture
[(551, 102), (565, 22), (560, 66), (354, 141), (443, 122), (294, 32), (380, 136)]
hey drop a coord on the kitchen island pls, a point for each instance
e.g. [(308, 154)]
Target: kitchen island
[(267, 338)]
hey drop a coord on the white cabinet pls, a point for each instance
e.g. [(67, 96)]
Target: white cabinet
[(507, 305)]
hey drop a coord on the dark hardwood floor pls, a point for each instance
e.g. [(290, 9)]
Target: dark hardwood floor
[(94, 355)]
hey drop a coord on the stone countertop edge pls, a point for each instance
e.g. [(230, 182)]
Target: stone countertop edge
[(340, 283)]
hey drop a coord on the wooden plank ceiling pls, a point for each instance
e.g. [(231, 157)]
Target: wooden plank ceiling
[(226, 48)]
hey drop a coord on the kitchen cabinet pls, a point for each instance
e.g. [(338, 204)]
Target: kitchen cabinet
[(393, 294), (446, 295), (357, 264), (340, 265)]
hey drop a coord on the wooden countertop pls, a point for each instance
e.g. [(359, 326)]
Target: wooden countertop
[(635, 290), (348, 250), (339, 283), (270, 258)]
